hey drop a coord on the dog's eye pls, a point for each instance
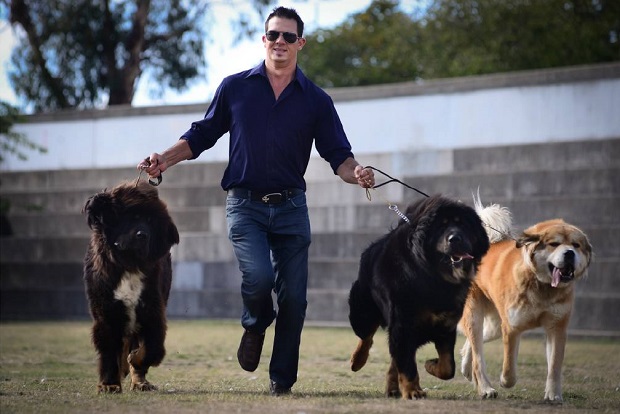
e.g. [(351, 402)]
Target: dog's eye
[(554, 244), (576, 245)]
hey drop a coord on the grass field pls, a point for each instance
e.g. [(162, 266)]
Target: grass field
[(50, 367)]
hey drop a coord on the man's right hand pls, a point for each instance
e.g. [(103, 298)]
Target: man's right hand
[(153, 165)]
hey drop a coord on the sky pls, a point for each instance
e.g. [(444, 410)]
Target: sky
[(222, 55)]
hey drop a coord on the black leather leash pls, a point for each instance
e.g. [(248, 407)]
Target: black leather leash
[(392, 206), (393, 180)]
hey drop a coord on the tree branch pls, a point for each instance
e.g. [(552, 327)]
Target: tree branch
[(20, 13)]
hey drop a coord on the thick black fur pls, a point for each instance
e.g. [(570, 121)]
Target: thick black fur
[(132, 234), (414, 281)]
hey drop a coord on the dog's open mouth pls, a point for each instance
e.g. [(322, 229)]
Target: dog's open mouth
[(457, 259), (565, 274)]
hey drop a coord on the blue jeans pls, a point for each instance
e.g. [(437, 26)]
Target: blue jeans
[(271, 243)]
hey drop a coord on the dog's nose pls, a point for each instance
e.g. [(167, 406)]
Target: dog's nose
[(454, 238), (569, 256)]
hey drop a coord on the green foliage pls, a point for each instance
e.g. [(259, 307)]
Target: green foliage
[(77, 53), (12, 142), (82, 54), (460, 38), (373, 47), (472, 37)]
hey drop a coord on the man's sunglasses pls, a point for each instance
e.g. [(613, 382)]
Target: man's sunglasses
[(289, 37)]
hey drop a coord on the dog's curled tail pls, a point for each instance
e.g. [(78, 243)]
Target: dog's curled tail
[(497, 220)]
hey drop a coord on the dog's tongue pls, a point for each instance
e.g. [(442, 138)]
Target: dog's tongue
[(555, 277)]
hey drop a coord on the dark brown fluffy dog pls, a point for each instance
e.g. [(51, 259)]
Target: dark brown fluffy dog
[(128, 273), (414, 282)]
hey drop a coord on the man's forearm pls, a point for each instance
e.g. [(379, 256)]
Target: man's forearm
[(155, 164), (346, 170), (177, 153)]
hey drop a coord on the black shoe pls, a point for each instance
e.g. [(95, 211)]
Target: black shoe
[(277, 389), (250, 349)]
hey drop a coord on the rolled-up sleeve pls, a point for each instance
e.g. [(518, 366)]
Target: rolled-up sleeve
[(331, 141), (204, 134)]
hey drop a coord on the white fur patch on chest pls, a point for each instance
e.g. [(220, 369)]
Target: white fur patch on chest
[(128, 291), (527, 316), (519, 316)]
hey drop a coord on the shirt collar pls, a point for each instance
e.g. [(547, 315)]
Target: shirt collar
[(261, 70)]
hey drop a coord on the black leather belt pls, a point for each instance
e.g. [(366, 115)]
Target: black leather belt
[(271, 197)]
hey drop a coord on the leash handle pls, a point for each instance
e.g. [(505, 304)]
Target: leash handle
[(153, 181), (394, 180), (392, 206)]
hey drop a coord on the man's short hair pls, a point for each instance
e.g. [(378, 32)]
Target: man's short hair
[(286, 13)]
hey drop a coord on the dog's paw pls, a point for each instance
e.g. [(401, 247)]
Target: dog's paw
[(109, 389), (443, 371), (507, 380), (410, 389), (466, 361), (360, 355), (488, 393), (553, 398), (416, 394), (143, 386), (392, 392), (358, 361), (466, 371)]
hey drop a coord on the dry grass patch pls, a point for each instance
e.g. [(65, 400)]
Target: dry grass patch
[(50, 367)]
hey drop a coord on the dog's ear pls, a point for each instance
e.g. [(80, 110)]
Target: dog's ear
[(587, 247), (96, 207), (165, 235), (173, 233), (527, 238)]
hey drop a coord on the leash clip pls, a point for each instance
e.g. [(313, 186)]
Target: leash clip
[(395, 209)]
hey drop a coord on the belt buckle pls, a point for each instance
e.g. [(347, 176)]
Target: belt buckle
[(267, 198)]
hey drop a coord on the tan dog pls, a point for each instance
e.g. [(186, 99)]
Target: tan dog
[(520, 286)]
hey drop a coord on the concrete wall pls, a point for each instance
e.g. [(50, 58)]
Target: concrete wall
[(564, 104), (566, 164)]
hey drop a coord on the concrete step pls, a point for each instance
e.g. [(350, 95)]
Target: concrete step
[(198, 174), (375, 216), (369, 216), (64, 224), (544, 183), (42, 249), (520, 158), (49, 201), (520, 185), (596, 313), (324, 273), (593, 313), (579, 211), (43, 304), (573, 155), (215, 247), (41, 265)]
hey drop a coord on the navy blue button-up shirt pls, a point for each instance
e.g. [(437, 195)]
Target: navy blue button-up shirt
[(270, 140)]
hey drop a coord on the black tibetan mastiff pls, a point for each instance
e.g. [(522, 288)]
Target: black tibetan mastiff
[(414, 282), (128, 274)]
